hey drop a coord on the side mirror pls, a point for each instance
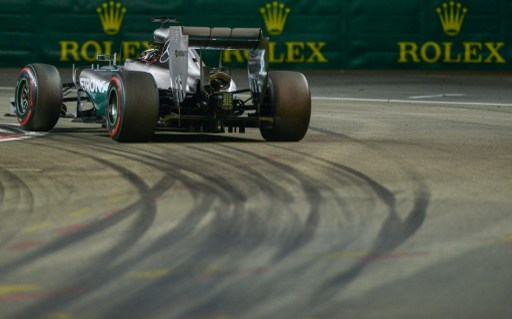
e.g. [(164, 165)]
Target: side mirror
[(104, 58)]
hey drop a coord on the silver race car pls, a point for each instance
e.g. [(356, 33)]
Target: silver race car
[(170, 86)]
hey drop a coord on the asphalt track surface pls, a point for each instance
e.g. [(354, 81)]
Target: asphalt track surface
[(397, 204)]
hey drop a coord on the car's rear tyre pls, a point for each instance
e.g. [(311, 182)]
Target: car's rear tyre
[(38, 97), (289, 104), (132, 107)]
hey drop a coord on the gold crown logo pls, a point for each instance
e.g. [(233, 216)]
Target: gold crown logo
[(452, 17), (111, 16), (275, 15)]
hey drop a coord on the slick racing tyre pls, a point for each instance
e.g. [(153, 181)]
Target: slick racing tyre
[(132, 107), (289, 104), (38, 97)]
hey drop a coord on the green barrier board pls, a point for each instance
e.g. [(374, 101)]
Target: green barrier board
[(330, 34)]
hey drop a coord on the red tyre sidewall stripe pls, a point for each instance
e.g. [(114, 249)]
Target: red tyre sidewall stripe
[(31, 102), (118, 120), (27, 118)]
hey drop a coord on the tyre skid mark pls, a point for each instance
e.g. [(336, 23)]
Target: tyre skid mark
[(393, 232), (20, 197), (264, 183), (310, 188), (365, 255), (23, 196), (68, 239), (202, 274), (240, 243), (179, 233), (207, 189), (103, 275)]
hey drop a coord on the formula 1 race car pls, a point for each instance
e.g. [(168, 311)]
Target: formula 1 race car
[(170, 86)]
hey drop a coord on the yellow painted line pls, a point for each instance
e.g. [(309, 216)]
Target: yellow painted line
[(509, 238), (80, 212), (119, 199), (208, 271), (212, 268), (59, 315), (36, 227), (151, 274), (14, 289)]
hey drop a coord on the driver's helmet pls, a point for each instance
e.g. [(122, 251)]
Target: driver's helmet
[(150, 56)]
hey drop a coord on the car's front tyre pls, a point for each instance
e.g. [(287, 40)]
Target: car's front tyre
[(38, 97)]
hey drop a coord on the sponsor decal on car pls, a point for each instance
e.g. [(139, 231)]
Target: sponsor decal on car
[(164, 58), (93, 85)]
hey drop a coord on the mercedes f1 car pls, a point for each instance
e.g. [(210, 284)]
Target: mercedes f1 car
[(170, 86)]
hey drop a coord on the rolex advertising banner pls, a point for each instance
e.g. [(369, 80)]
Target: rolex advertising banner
[(327, 34)]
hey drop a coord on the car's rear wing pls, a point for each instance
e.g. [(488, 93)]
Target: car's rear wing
[(223, 38), (203, 38)]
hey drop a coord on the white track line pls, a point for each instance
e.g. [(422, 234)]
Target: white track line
[(6, 88), (348, 99), (21, 136), (436, 96)]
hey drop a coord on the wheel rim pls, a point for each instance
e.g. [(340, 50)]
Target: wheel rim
[(23, 98), (112, 113)]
